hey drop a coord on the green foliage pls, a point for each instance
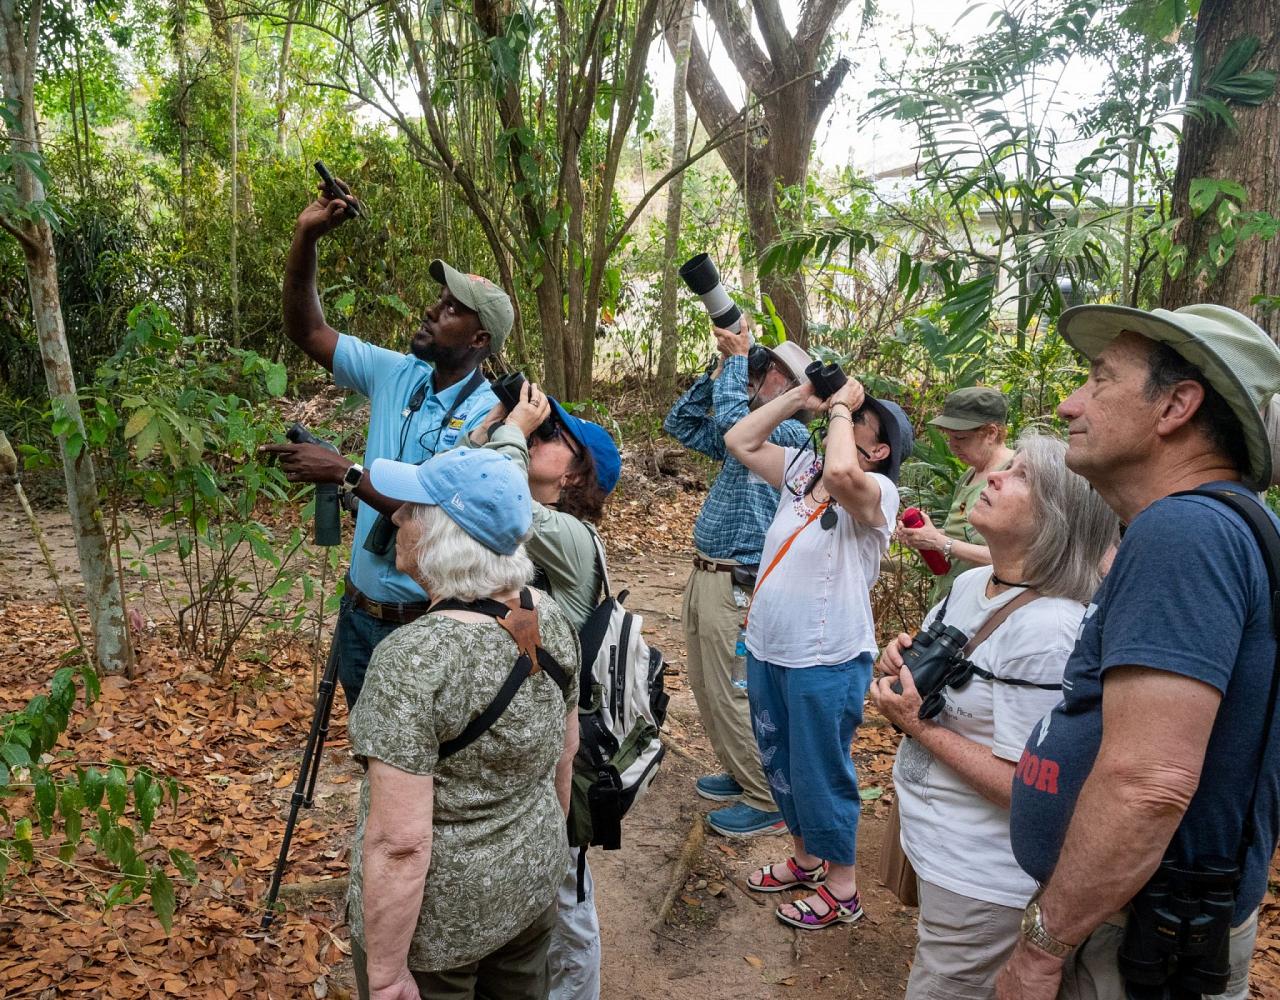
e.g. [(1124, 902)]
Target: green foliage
[(113, 806), (179, 422), (1227, 84)]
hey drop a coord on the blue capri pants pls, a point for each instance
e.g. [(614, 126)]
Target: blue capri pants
[(804, 721)]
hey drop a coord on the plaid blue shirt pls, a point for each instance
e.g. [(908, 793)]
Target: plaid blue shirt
[(741, 505)]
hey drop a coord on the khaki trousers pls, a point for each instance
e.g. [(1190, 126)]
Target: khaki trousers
[(711, 624), (963, 945)]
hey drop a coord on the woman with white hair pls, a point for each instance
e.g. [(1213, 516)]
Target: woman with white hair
[(469, 730), (1048, 532)]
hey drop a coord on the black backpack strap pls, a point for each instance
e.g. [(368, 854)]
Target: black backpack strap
[(1251, 510), (516, 622), (480, 725), (582, 874)]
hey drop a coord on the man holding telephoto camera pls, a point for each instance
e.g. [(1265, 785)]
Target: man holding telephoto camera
[(1145, 804), (728, 537), (421, 403)]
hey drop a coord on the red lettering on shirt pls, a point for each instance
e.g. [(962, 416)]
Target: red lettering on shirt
[(1037, 773)]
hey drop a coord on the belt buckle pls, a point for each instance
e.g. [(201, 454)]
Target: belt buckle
[(375, 608)]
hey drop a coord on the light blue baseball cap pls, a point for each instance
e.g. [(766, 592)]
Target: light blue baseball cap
[(483, 492)]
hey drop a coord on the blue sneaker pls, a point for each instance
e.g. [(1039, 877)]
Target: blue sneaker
[(718, 787), (741, 820)]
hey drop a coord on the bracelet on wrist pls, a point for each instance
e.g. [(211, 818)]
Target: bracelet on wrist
[(947, 547), (841, 416)]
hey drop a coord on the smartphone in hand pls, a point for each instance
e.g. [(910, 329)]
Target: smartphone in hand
[(333, 190)]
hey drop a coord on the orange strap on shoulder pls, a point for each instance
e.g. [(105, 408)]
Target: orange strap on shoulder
[(782, 551)]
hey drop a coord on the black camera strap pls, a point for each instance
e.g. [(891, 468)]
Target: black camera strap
[(1252, 512), (419, 396)]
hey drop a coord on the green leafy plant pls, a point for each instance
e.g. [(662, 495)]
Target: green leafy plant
[(45, 791)]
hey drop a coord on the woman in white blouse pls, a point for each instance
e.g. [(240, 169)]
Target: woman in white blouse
[(1048, 532)]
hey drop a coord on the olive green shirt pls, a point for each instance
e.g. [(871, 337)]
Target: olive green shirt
[(561, 544), (499, 847), (957, 526)]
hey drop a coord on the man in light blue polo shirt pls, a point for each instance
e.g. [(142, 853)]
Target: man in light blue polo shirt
[(421, 403)]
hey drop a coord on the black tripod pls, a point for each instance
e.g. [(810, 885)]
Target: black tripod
[(304, 790)]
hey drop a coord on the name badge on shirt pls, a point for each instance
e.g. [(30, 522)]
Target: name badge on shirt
[(455, 424)]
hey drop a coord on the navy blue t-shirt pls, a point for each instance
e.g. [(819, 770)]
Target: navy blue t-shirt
[(1187, 593)]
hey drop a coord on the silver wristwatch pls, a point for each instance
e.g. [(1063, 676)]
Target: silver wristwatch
[(1034, 931)]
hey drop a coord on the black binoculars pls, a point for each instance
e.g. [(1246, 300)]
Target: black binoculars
[(1178, 938), (826, 379), (328, 522), (507, 388), (936, 660)]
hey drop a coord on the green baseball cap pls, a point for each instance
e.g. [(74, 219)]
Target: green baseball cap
[(965, 409), (480, 295), (1235, 355)]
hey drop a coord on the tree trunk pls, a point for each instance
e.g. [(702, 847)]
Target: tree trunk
[(113, 650), (790, 96), (668, 326), (281, 74), (234, 263), (1249, 156)]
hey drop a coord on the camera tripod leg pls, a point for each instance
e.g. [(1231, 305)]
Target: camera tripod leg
[(304, 789)]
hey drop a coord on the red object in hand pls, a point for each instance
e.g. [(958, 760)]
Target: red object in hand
[(936, 561)]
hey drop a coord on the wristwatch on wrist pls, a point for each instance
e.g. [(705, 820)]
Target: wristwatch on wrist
[(947, 547), (1033, 930), (351, 479)]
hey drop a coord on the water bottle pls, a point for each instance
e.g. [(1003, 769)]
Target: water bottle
[(738, 675)]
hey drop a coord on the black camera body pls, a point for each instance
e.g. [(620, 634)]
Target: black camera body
[(1178, 938), (508, 388), (328, 516), (936, 660), (826, 379)]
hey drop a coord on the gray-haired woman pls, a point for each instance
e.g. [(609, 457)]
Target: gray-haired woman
[(460, 846), (1048, 532)]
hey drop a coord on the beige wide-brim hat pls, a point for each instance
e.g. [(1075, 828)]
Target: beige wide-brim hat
[(1237, 357), (792, 357)]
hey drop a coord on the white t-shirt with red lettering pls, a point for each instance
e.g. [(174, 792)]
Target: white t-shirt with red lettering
[(954, 837)]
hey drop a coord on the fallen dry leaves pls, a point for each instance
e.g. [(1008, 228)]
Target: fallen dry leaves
[(234, 744)]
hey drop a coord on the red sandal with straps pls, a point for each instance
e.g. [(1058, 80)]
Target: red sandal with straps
[(839, 911), (804, 878)]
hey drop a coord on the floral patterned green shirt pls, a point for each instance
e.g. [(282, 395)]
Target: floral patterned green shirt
[(499, 848)]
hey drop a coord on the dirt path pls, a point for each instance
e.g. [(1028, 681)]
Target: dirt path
[(721, 941)]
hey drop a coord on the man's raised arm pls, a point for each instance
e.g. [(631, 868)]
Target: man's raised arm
[(304, 321)]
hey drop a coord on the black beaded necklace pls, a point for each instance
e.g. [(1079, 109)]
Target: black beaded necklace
[(1006, 583)]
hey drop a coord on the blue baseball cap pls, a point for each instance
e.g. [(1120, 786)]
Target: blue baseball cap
[(483, 492), (895, 428), (597, 441)]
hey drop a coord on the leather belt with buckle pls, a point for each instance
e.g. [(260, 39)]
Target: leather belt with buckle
[(387, 611), (713, 567)]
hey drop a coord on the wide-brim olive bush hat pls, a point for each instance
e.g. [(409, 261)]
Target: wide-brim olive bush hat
[(480, 295), (483, 492), (1236, 356)]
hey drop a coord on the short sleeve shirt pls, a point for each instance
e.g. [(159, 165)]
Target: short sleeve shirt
[(389, 380), (814, 608), (957, 526), (499, 847), (955, 837), (1187, 594)]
